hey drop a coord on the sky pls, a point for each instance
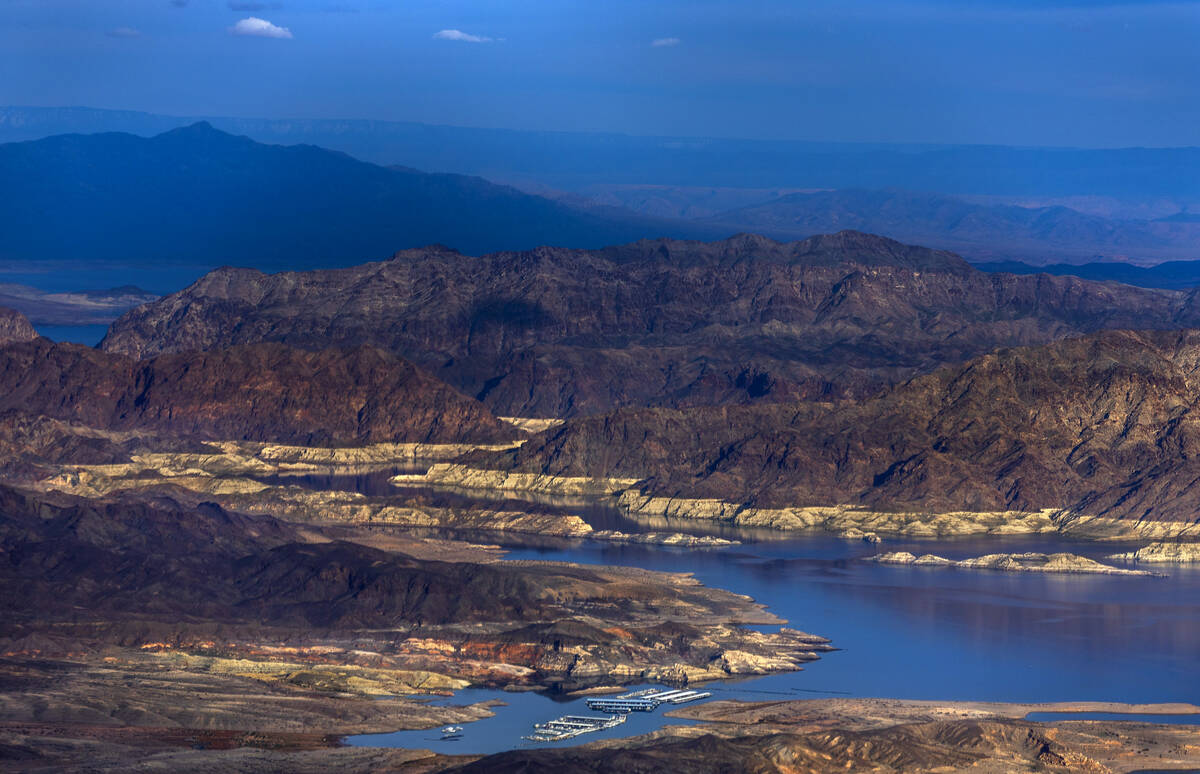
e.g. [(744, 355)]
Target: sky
[(1015, 72)]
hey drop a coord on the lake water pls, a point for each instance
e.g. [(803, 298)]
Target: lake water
[(903, 632), (89, 335)]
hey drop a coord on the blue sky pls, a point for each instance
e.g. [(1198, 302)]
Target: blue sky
[(1007, 72)]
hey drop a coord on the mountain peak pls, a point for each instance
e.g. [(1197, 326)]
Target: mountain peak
[(200, 128)]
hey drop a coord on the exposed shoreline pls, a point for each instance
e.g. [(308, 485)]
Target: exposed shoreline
[(1028, 562), (833, 518)]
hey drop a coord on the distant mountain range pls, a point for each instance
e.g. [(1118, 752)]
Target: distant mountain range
[(1172, 275), (981, 232), (199, 196), (574, 160), (83, 307)]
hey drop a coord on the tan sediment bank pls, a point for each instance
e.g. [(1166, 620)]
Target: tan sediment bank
[(237, 458), (1029, 562), (848, 520), (532, 425), (464, 477), (1162, 553), (215, 475)]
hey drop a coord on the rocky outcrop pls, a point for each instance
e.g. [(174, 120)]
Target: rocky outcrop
[(1028, 562), (1093, 435), (466, 477), (558, 333), (263, 392), (1164, 553), (678, 539), (14, 327)]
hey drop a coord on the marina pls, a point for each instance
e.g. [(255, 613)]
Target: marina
[(646, 700), (569, 726), (618, 707)]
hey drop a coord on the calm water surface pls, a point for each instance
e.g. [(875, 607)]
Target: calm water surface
[(904, 632)]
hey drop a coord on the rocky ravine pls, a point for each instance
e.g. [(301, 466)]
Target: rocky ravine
[(1095, 435), (558, 333)]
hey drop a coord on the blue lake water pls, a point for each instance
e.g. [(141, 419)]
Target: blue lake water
[(1049, 717), (77, 334), (903, 632)]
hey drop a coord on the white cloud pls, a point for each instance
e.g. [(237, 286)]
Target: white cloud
[(661, 42), (460, 36), (124, 32), (259, 28)]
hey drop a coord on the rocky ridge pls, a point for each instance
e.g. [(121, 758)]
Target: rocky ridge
[(263, 392), (554, 332)]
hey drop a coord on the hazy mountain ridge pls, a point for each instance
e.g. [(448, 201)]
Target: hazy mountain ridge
[(574, 160), (980, 232), (1169, 275), (554, 332), (84, 307), (198, 196)]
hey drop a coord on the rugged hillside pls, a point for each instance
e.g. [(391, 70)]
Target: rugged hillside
[(264, 392), (198, 196), (1105, 425), (980, 232), (554, 332), (14, 327)]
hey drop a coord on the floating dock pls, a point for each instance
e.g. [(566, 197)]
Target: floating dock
[(646, 700), (570, 726)]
